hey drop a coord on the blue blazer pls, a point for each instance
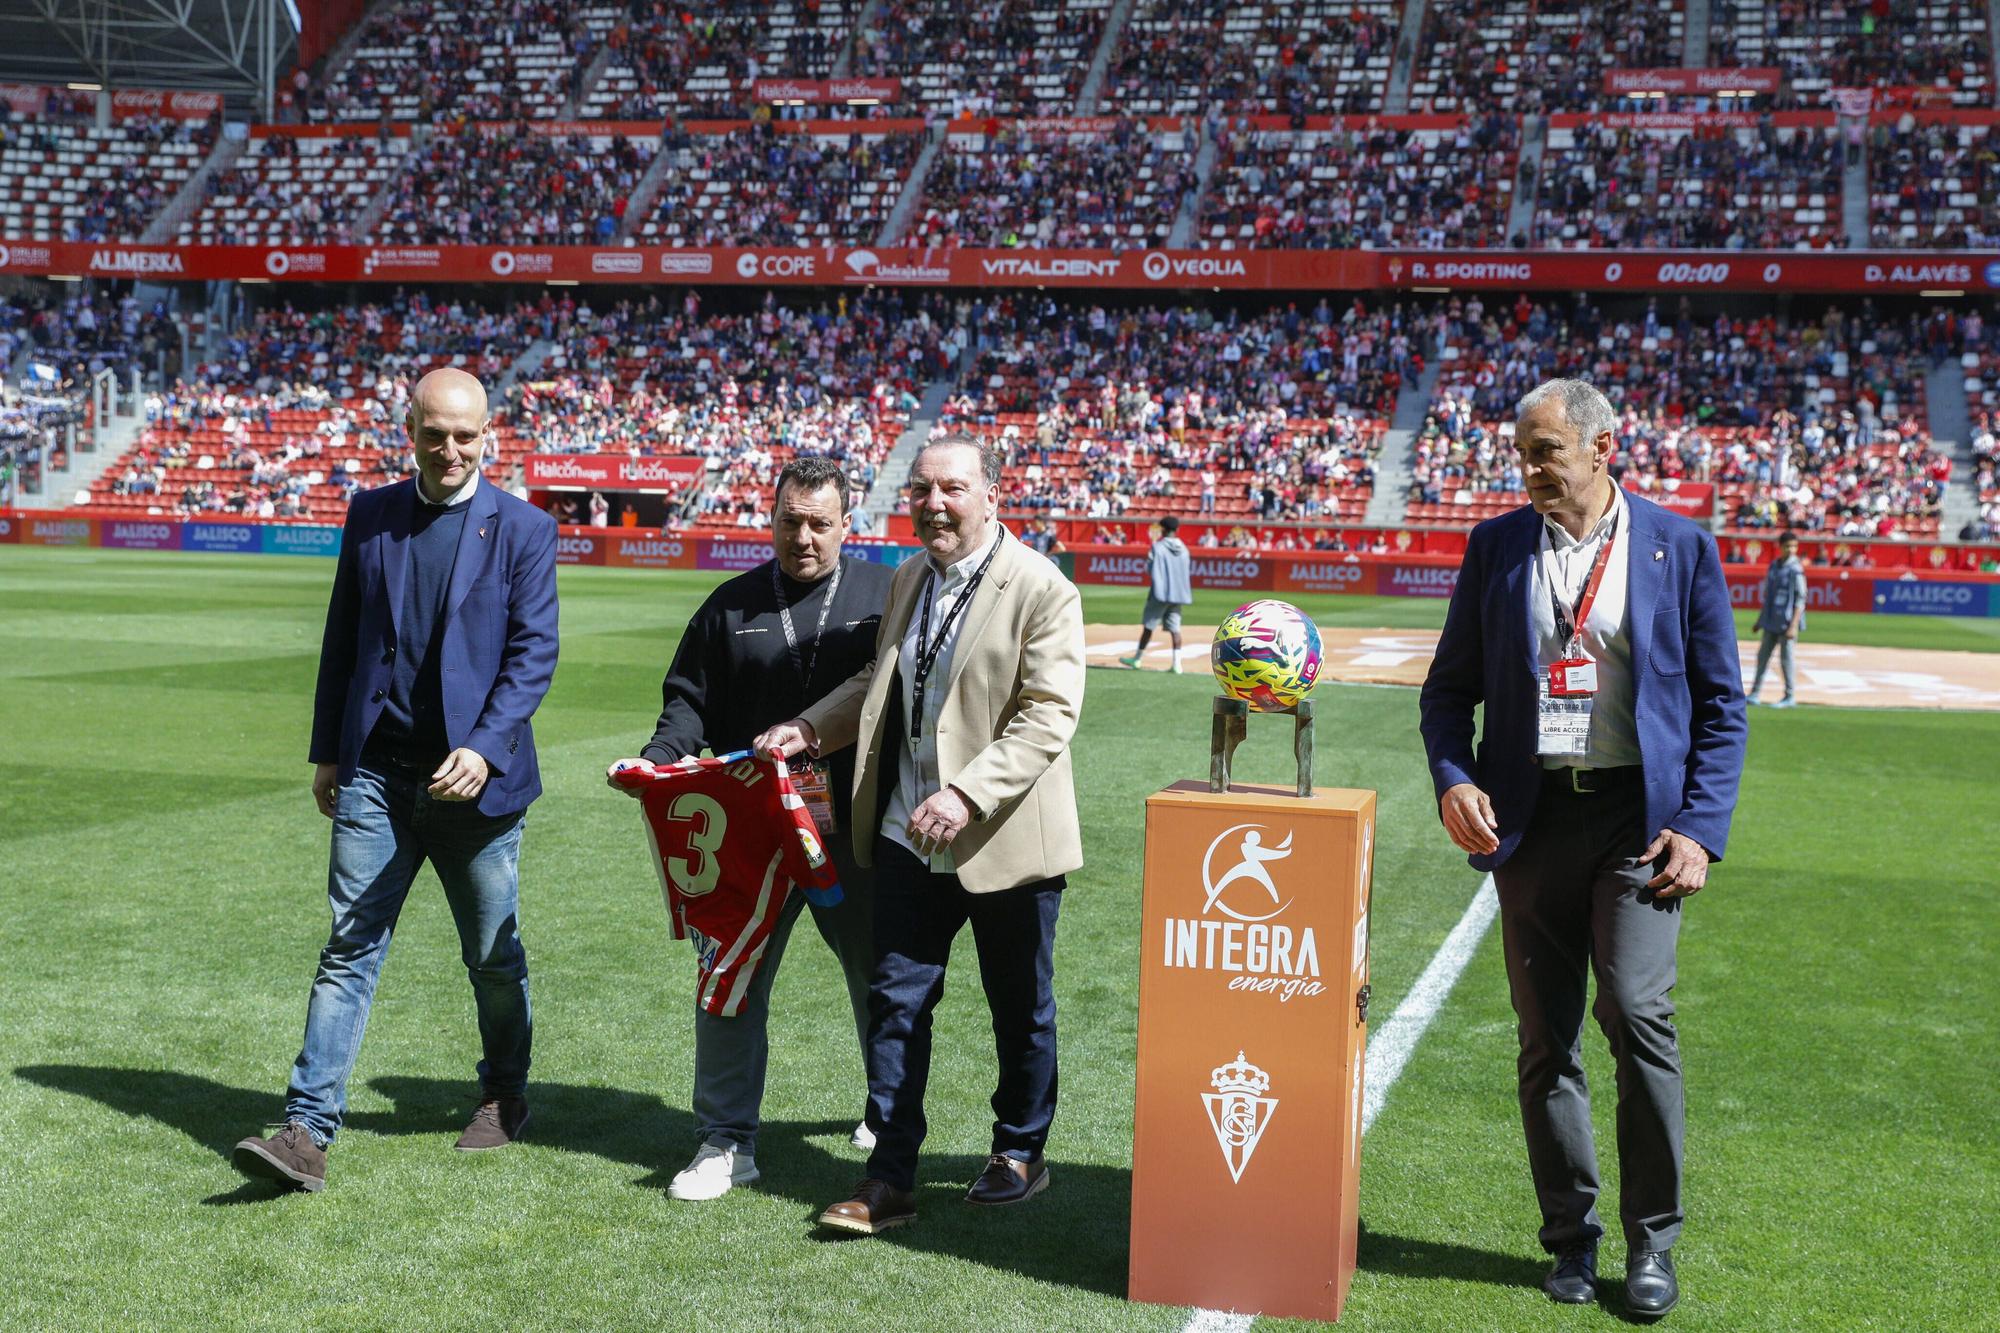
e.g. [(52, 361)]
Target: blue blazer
[(1686, 676), (499, 640)]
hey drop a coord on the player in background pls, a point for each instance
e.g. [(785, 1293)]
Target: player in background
[(763, 646)]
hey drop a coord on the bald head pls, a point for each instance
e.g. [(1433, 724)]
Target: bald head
[(447, 428)]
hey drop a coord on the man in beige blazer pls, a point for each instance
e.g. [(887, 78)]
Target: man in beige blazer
[(965, 806)]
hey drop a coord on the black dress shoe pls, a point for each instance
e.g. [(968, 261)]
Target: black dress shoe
[(1650, 1286), (1573, 1281), (1007, 1180)]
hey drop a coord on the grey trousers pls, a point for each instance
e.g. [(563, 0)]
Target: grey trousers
[(1574, 896), (731, 1054), (1783, 642)]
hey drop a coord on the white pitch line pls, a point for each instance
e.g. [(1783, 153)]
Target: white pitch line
[(1390, 1051)]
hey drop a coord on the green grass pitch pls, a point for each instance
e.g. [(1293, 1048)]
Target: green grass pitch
[(162, 874)]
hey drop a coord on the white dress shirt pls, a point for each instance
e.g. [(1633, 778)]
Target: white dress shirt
[(1562, 564), (917, 777)]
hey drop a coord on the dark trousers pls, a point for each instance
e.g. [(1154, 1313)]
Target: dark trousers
[(1573, 897), (917, 915)]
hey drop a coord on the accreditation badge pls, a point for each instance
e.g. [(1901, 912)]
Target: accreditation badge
[(810, 781), (1563, 720)]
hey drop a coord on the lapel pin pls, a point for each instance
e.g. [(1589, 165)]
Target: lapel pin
[(482, 537), (1657, 555)]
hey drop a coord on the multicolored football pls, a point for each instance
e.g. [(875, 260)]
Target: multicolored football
[(1267, 654)]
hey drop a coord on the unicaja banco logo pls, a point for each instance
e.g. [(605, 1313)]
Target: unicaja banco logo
[(1239, 1110)]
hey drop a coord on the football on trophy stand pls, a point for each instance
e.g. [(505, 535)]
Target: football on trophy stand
[(1267, 654)]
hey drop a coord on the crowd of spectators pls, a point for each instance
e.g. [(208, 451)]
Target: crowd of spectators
[(291, 191), (431, 61), (762, 187), (1004, 57), (1362, 187), (1160, 408), (1933, 185), (1306, 57), (1734, 189), (512, 188), (1815, 423), (1896, 44), (66, 179), (673, 61), (1118, 190)]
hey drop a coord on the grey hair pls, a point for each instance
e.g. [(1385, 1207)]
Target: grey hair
[(991, 461), (1583, 406)]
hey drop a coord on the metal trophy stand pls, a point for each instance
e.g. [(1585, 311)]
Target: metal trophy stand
[(1232, 723)]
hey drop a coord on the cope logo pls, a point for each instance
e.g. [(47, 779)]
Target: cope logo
[(750, 264), (1238, 932)]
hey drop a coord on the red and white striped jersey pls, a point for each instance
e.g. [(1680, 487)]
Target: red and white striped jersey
[(731, 841)]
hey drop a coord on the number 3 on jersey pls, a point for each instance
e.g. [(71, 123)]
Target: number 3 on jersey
[(707, 823)]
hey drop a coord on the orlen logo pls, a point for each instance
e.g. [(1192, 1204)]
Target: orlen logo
[(506, 263), (1157, 266), (1235, 931), (619, 261), (789, 265), (700, 262), (279, 263)]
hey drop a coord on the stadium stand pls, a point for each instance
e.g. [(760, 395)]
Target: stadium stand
[(1294, 57), (670, 62), (1735, 189), (64, 181), (1116, 191), (1888, 44), (1816, 424), (1009, 57), (290, 191), (1536, 55), (1362, 186), (430, 61), (1157, 410), (1933, 185), (499, 187), (761, 187)]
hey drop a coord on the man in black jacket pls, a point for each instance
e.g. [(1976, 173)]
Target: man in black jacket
[(762, 647)]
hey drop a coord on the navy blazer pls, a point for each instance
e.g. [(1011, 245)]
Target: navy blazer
[(1686, 677), (499, 640)]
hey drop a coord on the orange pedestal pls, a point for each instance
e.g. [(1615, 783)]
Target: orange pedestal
[(1247, 1127)]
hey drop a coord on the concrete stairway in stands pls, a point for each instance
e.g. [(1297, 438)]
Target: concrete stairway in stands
[(1951, 435), (898, 224), (600, 60), (1091, 96), (1694, 35), (116, 435), (1528, 177), (1182, 235), (1396, 97), (1854, 201), (864, 20), (639, 207), (525, 366), (187, 201), (1393, 470)]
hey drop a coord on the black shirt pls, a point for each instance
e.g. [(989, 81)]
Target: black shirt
[(412, 720), (735, 674)]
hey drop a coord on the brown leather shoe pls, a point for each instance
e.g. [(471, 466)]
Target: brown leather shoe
[(876, 1206), (497, 1123), (289, 1157), (1008, 1180)]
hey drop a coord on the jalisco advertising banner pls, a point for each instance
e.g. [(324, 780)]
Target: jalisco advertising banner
[(10, 529), (636, 548), (1698, 82), (612, 472), (1910, 596), (734, 554), (139, 534), (288, 539), (581, 546), (43, 530), (1341, 270)]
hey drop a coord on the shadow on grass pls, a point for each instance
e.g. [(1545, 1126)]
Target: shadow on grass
[(1074, 1235), (1404, 1256)]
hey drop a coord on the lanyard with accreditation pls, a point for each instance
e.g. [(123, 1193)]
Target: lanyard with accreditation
[(809, 780), (928, 648), (1570, 685)]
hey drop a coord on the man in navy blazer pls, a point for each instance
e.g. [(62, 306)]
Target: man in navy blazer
[(440, 643), (1595, 628)]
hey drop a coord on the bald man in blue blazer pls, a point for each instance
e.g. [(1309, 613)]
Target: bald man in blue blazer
[(1595, 629), (440, 643)]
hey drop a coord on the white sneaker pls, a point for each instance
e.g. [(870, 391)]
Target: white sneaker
[(862, 1138), (717, 1167)]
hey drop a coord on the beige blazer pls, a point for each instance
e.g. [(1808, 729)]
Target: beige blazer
[(1003, 735)]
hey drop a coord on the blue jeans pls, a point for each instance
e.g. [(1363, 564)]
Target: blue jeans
[(385, 827), (917, 915)]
